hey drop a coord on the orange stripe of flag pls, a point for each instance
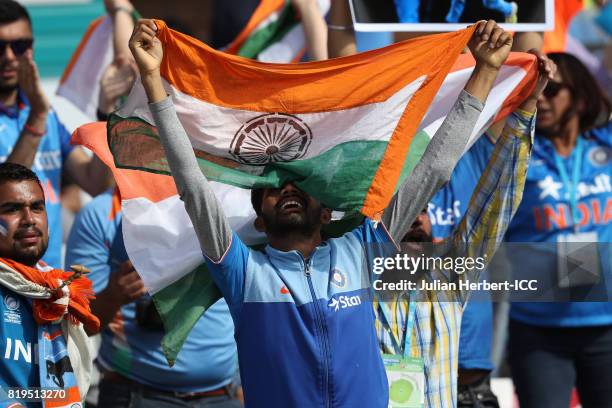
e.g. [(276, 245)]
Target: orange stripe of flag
[(522, 60), (212, 76), (132, 183), (381, 190)]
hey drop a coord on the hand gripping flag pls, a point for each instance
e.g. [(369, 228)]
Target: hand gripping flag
[(346, 131)]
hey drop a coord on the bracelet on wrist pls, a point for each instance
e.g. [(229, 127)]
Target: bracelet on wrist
[(340, 27), (114, 10), (33, 131)]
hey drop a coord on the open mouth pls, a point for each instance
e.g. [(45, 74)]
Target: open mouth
[(291, 203), (288, 205), (416, 235)]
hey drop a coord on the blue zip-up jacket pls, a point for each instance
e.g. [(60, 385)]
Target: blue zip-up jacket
[(305, 331), (307, 324)]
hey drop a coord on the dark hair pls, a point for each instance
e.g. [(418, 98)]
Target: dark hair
[(11, 11), (16, 172), (257, 199), (584, 89)]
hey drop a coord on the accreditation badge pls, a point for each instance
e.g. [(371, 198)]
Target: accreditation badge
[(578, 262), (406, 381)]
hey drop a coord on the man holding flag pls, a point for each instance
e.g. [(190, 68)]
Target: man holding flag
[(294, 348)]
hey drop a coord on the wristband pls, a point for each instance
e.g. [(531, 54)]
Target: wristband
[(33, 131), (340, 27), (121, 8)]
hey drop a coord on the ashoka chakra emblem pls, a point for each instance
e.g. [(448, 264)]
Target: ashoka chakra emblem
[(270, 138)]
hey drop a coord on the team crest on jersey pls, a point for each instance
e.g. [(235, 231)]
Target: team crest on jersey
[(339, 278), (12, 313), (600, 156)]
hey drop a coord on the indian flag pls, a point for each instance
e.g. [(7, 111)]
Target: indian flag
[(80, 82), (273, 33), (346, 131)]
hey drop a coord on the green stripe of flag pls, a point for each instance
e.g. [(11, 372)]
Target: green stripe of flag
[(339, 177), (271, 33)]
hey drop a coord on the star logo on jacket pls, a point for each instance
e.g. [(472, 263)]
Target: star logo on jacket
[(342, 302), (339, 278), (334, 304), (284, 290), (550, 187)]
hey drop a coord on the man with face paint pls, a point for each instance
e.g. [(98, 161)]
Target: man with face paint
[(304, 326), (41, 308), (31, 133), (24, 234)]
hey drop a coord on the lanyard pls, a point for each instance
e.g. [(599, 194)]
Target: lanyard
[(571, 188), (405, 351)]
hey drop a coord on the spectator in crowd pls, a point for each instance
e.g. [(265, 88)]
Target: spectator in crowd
[(315, 31), (134, 369), (445, 211), (36, 321), (118, 77), (292, 221), (436, 315), (567, 198), (474, 354), (31, 133)]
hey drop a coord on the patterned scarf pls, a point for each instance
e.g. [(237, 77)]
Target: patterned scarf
[(60, 303)]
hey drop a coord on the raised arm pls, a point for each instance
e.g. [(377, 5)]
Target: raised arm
[(341, 36), (36, 124), (500, 187), (211, 226), (490, 46), (314, 26)]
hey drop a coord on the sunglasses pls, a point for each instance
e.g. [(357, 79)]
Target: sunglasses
[(19, 47), (553, 88)]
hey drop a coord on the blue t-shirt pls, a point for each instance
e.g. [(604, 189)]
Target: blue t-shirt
[(18, 339), (544, 216), (446, 210), (52, 153), (208, 358)]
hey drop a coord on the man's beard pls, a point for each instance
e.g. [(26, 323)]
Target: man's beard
[(8, 88), (29, 258), (30, 255), (303, 225), (417, 242)]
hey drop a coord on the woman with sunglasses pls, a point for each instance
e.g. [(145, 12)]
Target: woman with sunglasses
[(556, 346)]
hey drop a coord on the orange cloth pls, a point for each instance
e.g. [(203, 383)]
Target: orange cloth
[(46, 310), (565, 10)]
